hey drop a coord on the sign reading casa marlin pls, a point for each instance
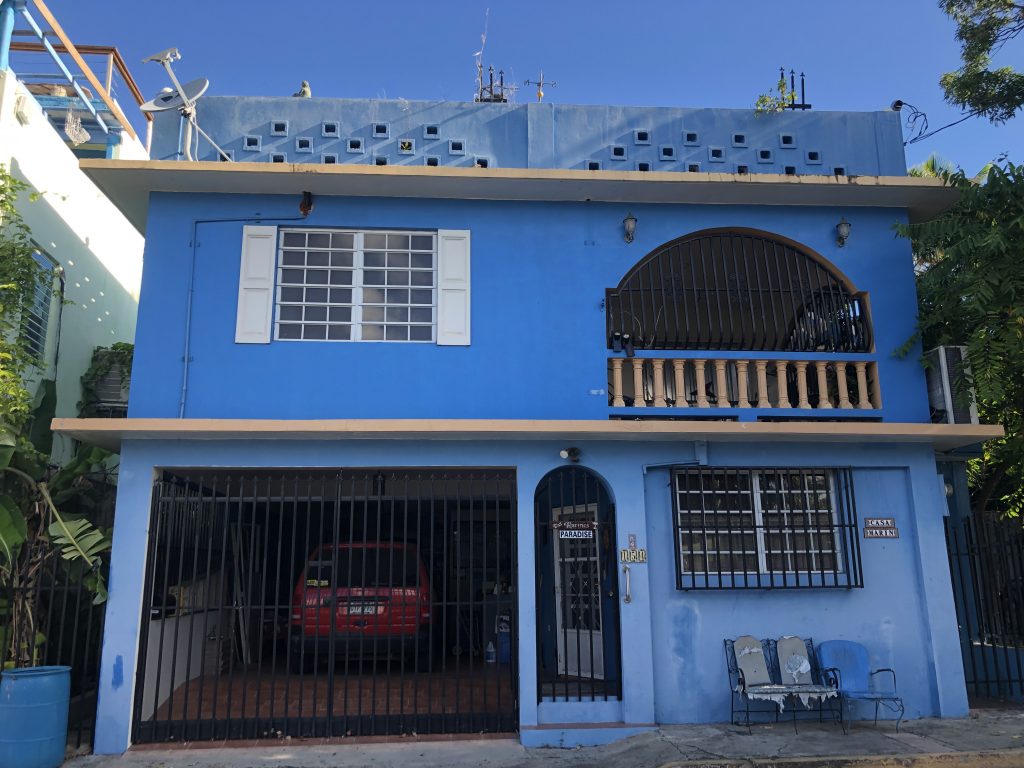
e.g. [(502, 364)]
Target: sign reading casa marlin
[(880, 528)]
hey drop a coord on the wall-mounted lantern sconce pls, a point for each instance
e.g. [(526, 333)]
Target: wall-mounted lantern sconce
[(572, 454), (842, 232), (629, 225)]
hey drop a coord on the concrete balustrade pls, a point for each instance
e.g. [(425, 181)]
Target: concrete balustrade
[(822, 385)]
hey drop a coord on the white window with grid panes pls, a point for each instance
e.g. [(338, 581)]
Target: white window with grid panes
[(776, 521), (356, 285)]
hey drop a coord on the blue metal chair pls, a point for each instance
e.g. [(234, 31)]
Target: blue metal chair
[(845, 665)]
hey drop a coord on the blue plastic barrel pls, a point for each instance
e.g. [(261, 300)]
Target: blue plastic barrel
[(34, 716)]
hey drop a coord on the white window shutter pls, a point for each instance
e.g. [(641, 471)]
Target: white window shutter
[(453, 305), (256, 285)]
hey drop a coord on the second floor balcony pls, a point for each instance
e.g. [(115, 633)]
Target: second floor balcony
[(734, 319)]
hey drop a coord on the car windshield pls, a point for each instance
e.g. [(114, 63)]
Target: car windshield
[(371, 567)]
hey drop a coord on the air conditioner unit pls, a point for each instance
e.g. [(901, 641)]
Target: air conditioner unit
[(950, 400)]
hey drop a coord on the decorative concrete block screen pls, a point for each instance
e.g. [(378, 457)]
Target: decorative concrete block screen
[(666, 139)]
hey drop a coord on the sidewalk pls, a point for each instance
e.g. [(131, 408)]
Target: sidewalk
[(988, 739)]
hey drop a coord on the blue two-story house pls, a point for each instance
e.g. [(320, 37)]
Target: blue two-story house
[(450, 418)]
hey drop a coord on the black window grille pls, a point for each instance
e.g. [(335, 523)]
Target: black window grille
[(765, 528), (732, 289)]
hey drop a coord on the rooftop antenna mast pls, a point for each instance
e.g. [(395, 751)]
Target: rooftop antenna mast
[(489, 91), (183, 98), (793, 104), (479, 56), (540, 82), (494, 92)]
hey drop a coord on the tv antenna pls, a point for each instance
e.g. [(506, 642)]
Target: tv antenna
[(540, 82), (479, 55), (494, 92), (792, 102), (182, 98), (489, 91)]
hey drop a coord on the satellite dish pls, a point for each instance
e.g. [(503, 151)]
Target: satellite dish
[(176, 99)]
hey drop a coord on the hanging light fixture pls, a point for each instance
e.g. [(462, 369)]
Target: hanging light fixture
[(629, 225), (842, 231)]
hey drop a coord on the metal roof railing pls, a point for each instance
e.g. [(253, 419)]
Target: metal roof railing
[(53, 41)]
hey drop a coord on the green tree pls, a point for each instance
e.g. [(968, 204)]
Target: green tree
[(20, 275), (933, 167), (768, 103), (970, 293), (33, 529), (983, 27)]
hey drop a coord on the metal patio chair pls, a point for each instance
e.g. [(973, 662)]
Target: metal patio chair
[(749, 677), (845, 665), (796, 670)]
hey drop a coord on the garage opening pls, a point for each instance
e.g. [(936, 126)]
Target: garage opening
[(328, 603)]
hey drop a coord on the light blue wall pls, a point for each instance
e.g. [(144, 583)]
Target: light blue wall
[(544, 135), (673, 665), (539, 273)]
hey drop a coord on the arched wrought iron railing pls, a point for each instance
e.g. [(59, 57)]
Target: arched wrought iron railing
[(736, 289)]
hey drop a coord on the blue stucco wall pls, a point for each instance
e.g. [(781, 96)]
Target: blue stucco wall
[(543, 135), (672, 662), (539, 273)]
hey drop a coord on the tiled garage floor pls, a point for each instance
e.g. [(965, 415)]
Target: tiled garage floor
[(478, 688)]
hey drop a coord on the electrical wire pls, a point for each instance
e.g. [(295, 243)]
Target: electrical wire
[(917, 124)]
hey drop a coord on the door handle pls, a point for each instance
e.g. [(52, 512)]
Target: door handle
[(628, 597)]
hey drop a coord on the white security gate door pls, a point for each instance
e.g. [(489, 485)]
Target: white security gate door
[(578, 592)]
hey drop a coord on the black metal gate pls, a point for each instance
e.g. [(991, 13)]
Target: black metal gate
[(64, 628), (578, 640), (328, 603), (986, 560)]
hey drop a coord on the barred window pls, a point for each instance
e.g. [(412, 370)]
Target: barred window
[(765, 528), (37, 314), (349, 285)]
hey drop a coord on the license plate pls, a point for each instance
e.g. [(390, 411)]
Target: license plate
[(360, 609)]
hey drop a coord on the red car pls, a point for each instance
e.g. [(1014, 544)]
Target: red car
[(361, 600)]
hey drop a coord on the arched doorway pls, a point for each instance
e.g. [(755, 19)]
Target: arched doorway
[(578, 636)]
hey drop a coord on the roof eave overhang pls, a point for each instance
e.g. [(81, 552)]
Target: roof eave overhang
[(110, 433), (128, 183)]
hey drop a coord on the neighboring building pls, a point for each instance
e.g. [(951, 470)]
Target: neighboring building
[(535, 407), (95, 252)]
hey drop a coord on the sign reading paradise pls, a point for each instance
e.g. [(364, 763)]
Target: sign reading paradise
[(575, 529)]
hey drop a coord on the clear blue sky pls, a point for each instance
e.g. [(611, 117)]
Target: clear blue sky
[(695, 53)]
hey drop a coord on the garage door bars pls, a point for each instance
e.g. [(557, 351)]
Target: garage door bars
[(328, 604)]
